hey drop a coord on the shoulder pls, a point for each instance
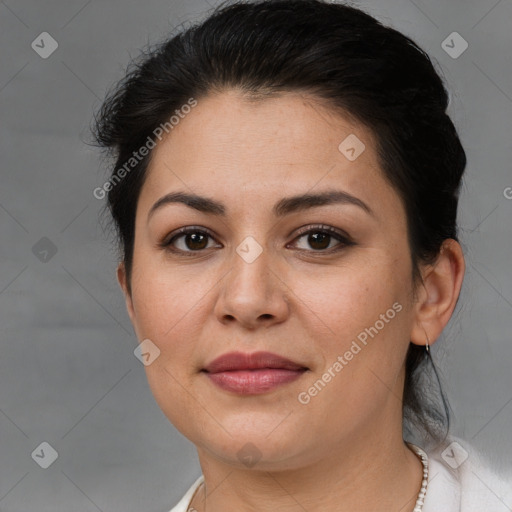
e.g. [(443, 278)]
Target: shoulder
[(460, 478), (184, 503)]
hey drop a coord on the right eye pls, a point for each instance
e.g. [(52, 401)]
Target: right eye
[(192, 239)]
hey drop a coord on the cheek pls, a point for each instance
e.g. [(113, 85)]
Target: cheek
[(166, 298), (360, 312), (364, 316), (168, 305), (345, 300)]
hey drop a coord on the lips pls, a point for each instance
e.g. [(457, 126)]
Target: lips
[(252, 374), (257, 360)]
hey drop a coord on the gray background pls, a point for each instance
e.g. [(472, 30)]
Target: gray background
[(68, 375)]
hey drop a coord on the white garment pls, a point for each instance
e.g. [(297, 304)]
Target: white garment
[(471, 487)]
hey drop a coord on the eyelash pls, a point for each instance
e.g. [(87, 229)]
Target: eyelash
[(343, 238)]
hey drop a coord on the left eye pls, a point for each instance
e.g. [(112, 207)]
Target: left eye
[(321, 239)]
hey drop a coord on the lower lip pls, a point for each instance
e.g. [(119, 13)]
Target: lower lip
[(253, 382)]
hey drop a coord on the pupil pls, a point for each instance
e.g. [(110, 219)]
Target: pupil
[(319, 238), (193, 241)]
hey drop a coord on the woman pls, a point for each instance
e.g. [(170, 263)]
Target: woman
[(285, 192)]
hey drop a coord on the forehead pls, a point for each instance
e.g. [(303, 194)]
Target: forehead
[(290, 143)]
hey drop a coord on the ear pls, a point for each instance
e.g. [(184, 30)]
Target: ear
[(437, 295), (122, 279)]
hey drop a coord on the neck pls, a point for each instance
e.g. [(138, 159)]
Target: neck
[(367, 472)]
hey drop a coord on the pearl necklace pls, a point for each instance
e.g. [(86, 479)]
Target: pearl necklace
[(418, 507)]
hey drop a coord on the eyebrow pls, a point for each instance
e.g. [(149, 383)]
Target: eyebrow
[(283, 207)]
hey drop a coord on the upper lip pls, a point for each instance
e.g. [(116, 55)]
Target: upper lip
[(241, 361)]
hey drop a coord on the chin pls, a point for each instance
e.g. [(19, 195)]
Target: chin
[(253, 447), (256, 456)]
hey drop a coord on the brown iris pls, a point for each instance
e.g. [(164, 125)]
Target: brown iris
[(196, 241), (319, 240)]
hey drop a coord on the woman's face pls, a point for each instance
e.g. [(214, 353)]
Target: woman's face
[(260, 274)]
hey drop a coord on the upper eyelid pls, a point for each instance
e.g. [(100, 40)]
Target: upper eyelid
[(322, 227)]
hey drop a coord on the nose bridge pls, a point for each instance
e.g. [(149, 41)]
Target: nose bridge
[(251, 290), (250, 269)]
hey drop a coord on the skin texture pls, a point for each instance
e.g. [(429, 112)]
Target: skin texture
[(343, 450)]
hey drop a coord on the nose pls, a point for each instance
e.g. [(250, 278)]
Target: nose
[(253, 293)]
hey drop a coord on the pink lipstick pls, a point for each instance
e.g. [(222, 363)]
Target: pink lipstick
[(252, 374)]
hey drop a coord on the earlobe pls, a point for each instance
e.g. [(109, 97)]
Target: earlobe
[(438, 295)]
